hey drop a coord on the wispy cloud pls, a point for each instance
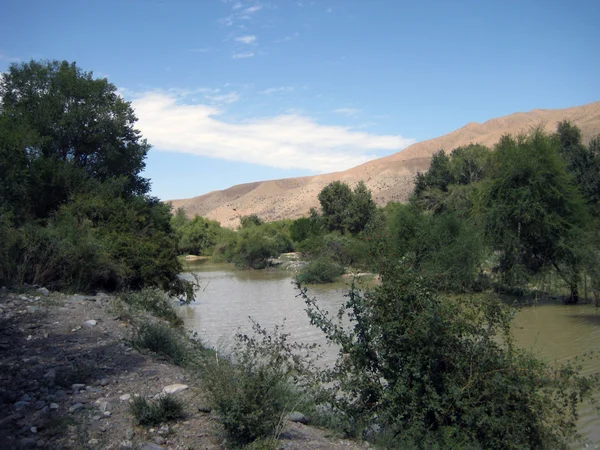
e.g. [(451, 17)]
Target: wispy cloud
[(228, 98), (274, 90), (347, 111), (239, 12), (284, 141), (201, 50), (246, 39), (242, 55), (288, 38)]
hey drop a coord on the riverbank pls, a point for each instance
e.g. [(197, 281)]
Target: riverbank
[(68, 374)]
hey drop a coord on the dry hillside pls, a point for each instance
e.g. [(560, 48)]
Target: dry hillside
[(389, 178)]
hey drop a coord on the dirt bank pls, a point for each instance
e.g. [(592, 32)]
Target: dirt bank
[(68, 374)]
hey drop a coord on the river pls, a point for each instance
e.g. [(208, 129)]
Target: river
[(227, 298)]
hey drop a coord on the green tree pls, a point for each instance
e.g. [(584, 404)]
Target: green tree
[(361, 210), (533, 212), (335, 200), (77, 127), (345, 209)]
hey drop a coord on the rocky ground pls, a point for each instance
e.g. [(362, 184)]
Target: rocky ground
[(68, 374)]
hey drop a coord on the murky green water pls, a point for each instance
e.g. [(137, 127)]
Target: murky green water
[(228, 298)]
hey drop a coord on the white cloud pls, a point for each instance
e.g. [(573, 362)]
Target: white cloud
[(201, 50), (347, 111), (242, 55), (274, 90), (253, 9), (231, 97), (288, 141), (246, 39), (237, 13)]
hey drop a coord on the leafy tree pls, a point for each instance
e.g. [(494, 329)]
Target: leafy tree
[(250, 221), (345, 209), (361, 210), (335, 200), (534, 214), (76, 127), (582, 162)]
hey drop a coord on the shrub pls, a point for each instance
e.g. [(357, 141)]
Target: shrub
[(166, 408), (318, 271), (428, 372), (251, 390), (154, 301), (163, 340)]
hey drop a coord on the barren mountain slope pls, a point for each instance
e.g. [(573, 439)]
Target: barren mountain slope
[(389, 178)]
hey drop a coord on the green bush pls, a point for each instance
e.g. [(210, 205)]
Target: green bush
[(166, 408), (154, 301), (251, 389), (318, 271), (163, 340), (427, 372)]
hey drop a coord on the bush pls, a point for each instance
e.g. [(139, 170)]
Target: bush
[(154, 301), (428, 372), (318, 271), (166, 408), (251, 390), (163, 340)]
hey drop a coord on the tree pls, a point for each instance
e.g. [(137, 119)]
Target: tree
[(78, 127), (344, 209), (534, 214), (335, 199), (361, 209)]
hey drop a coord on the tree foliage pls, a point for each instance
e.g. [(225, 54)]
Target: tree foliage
[(75, 210), (346, 210), (426, 372)]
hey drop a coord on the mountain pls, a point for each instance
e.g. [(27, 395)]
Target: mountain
[(389, 178)]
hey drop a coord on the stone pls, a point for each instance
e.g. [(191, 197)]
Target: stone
[(76, 407), (297, 417), (174, 388), (104, 382), (78, 387), (125, 397), (104, 406), (151, 446), (54, 406), (90, 323), (28, 443), (97, 418), (106, 413), (43, 291), (50, 374), (160, 440), (93, 442), (20, 405), (125, 445), (129, 433), (40, 404)]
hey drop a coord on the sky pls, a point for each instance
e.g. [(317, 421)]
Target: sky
[(235, 91)]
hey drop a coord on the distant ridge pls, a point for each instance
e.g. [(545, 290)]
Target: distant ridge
[(389, 178)]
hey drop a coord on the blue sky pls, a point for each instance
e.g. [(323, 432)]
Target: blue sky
[(238, 91)]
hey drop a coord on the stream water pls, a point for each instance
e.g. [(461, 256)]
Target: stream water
[(227, 298)]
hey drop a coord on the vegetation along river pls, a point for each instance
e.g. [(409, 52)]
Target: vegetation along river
[(227, 298)]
